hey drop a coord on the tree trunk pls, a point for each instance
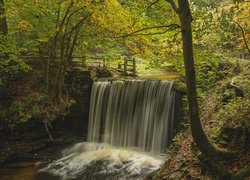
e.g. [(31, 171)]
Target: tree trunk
[(197, 131), (3, 22), (46, 73), (58, 87), (198, 134)]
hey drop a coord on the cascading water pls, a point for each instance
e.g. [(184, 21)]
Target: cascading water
[(132, 113), (130, 125)]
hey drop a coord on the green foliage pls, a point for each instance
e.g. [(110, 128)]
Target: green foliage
[(232, 123), (236, 112), (11, 66), (215, 28), (210, 68), (32, 24), (206, 3), (30, 107), (54, 31), (102, 72), (33, 107), (227, 111)]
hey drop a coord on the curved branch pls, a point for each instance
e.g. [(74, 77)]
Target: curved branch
[(71, 15), (156, 33), (170, 28), (78, 24), (153, 4), (243, 35)]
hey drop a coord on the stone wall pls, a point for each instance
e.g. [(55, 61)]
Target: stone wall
[(79, 83)]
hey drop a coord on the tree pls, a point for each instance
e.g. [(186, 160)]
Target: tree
[(184, 14), (49, 32), (200, 138), (223, 29)]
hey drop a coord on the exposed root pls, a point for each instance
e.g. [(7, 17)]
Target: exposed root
[(47, 126)]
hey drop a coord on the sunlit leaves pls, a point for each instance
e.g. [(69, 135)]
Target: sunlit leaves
[(215, 27), (10, 63)]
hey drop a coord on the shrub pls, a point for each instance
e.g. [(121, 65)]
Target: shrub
[(210, 68), (11, 66), (30, 107), (102, 72)]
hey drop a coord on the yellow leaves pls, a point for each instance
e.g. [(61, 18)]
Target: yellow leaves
[(243, 18), (43, 40), (23, 25), (113, 18), (11, 12), (111, 3), (115, 21)]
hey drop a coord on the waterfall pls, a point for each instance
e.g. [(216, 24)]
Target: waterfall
[(130, 124), (133, 114)]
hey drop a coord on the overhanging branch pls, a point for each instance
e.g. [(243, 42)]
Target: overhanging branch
[(169, 27), (155, 33)]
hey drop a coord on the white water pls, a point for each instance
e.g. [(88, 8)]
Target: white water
[(101, 161), (130, 125)]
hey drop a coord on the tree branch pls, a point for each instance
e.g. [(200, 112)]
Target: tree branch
[(70, 16), (78, 24), (66, 14), (243, 35), (175, 8), (150, 34), (153, 4), (170, 28)]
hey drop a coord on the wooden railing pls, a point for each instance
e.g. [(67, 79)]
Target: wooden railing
[(127, 68)]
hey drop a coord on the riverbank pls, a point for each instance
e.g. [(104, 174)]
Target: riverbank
[(225, 116), (35, 146)]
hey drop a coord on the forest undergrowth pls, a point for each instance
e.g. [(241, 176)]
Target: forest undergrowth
[(225, 115)]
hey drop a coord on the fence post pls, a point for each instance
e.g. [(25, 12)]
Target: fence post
[(134, 67), (125, 67)]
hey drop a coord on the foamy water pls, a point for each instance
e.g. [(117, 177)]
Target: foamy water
[(102, 161)]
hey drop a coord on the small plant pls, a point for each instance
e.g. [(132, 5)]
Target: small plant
[(102, 72), (27, 108)]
